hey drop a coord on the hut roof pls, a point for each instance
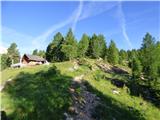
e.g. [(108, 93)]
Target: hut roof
[(35, 58)]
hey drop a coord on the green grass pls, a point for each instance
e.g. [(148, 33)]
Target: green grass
[(39, 91), (38, 96), (11, 73), (123, 100), (65, 66)]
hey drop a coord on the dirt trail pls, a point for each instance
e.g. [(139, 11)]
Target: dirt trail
[(2, 86), (84, 102)]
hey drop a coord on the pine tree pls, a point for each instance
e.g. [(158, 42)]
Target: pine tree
[(122, 57), (49, 55), (102, 43), (83, 45), (13, 53), (147, 59), (54, 49), (131, 55), (113, 55), (35, 52), (70, 46), (89, 52), (41, 53), (5, 61), (98, 46), (155, 66), (136, 68)]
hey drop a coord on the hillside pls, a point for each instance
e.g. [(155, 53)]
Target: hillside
[(84, 89)]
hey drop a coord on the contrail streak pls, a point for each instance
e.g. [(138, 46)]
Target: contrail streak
[(123, 25), (77, 15)]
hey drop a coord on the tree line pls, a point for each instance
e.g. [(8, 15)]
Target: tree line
[(144, 62), (67, 48), (12, 56)]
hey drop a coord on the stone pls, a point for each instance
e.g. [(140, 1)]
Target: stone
[(97, 98), (1, 87), (81, 114), (75, 98), (115, 92), (71, 69), (83, 101), (71, 109), (76, 111), (76, 67), (65, 114), (81, 107), (71, 90)]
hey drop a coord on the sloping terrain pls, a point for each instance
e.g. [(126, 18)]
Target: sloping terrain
[(84, 89)]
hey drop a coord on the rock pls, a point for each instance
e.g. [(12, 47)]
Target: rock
[(78, 78), (76, 111), (83, 87), (76, 67), (71, 90), (115, 92), (81, 114), (99, 59), (1, 87), (97, 98), (75, 98), (71, 69), (9, 80), (65, 114), (81, 107), (71, 109), (84, 101)]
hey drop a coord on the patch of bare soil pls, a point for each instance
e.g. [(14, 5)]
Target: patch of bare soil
[(2, 86)]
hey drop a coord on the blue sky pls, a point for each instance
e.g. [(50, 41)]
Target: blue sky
[(33, 24)]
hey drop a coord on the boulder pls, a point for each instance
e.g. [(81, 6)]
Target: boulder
[(71, 109)]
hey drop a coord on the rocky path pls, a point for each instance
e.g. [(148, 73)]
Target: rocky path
[(84, 102), (2, 86)]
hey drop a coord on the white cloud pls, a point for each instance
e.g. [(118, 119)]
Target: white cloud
[(122, 21), (3, 50), (39, 41), (95, 8), (79, 11), (27, 43), (22, 40)]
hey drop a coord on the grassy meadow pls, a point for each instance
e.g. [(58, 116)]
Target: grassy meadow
[(41, 92)]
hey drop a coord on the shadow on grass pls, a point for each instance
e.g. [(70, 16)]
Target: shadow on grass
[(40, 96), (146, 92), (111, 109), (44, 96), (136, 89)]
